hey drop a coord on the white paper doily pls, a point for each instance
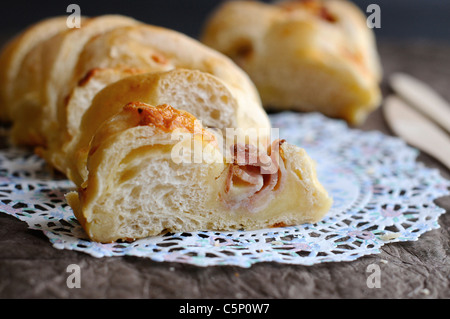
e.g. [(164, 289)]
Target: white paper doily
[(381, 195)]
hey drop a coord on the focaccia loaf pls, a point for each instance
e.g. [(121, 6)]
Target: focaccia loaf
[(112, 104), (308, 55)]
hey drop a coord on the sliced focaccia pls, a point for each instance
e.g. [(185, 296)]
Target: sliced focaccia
[(308, 55), (145, 177), (140, 169)]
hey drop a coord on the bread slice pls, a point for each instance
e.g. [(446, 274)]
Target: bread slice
[(16, 50), (138, 186), (44, 78), (202, 94), (314, 55)]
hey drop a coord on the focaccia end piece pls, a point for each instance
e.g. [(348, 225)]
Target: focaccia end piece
[(136, 188)]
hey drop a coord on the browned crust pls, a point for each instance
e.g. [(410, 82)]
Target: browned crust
[(91, 73), (164, 117), (315, 7)]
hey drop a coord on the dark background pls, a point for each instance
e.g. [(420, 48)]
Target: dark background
[(400, 19), (417, 34)]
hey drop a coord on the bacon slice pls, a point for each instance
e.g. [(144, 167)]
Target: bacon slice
[(254, 178)]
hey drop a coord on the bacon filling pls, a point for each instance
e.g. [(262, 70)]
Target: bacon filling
[(253, 178)]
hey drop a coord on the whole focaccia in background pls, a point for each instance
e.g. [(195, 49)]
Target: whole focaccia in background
[(308, 55), (136, 189)]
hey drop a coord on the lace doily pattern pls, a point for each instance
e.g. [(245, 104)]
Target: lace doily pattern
[(381, 195)]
